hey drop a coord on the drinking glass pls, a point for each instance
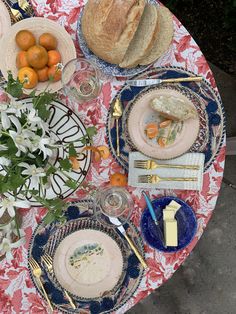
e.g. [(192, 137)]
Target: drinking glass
[(81, 80), (113, 202)]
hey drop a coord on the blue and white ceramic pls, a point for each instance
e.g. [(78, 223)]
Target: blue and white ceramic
[(79, 216), (205, 99), (186, 220)]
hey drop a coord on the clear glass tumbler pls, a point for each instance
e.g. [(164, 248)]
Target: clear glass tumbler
[(81, 80), (113, 202)]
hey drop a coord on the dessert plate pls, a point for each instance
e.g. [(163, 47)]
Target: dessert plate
[(186, 220), (183, 133), (5, 20), (88, 263)]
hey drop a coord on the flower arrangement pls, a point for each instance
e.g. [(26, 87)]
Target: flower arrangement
[(26, 145)]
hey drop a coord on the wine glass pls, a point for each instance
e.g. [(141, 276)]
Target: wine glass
[(113, 202), (81, 80)]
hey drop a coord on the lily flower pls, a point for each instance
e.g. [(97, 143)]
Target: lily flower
[(6, 246), (34, 173), (8, 204)]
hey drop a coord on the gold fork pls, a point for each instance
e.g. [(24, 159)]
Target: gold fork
[(24, 5), (47, 260), (151, 164), (15, 14), (37, 272), (154, 179)]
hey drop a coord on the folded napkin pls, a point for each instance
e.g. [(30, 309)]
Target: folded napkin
[(186, 159)]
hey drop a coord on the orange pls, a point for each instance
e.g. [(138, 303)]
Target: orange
[(25, 39), (151, 130), (21, 60), (28, 76), (37, 57), (104, 151), (54, 57), (42, 74), (54, 73), (165, 123), (118, 179), (48, 41), (75, 163)]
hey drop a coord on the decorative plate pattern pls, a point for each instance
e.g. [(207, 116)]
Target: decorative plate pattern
[(67, 128), (183, 134), (186, 220), (206, 101), (80, 217)]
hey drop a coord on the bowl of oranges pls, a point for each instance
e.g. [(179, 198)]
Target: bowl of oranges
[(35, 50)]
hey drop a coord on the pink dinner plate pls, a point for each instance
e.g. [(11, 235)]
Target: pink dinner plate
[(88, 263), (5, 20), (141, 114)]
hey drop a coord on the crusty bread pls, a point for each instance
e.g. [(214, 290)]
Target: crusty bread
[(164, 36), (109, 26), (173, 108), (143, 39)]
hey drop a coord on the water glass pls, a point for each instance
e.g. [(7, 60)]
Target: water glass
[(81, 80)]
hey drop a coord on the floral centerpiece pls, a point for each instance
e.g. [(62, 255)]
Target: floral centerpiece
[(26, 146)]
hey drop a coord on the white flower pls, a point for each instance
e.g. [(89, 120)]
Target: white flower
[(34, 173), (43, 145), (4, 161), (18, 107), (21, 141), (6, 246), (6, 123), (9, 204), (16, 122)]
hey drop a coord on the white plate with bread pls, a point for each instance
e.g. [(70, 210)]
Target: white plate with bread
[(124, 37)]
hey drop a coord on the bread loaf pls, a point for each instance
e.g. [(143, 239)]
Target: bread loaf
[(143, 39), (164, 36), (109, 26)]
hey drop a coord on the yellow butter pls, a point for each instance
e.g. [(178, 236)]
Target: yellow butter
[(168, 214), (171, 232), (173, 206)]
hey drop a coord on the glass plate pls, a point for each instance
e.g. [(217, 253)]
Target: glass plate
[(80, 216), (205, 99)]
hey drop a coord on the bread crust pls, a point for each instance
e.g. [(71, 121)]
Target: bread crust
[(164, 36), (109, 26)]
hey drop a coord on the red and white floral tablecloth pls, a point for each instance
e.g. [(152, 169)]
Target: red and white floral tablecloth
[(17, 292)]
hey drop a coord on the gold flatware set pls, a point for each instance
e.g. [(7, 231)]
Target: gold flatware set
[(37, 272), (15, 13)]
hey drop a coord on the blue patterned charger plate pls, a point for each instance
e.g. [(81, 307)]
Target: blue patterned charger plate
[(206, 100), (186, 220), (80, 216)]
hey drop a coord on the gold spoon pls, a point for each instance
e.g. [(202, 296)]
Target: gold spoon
[(116, 114)]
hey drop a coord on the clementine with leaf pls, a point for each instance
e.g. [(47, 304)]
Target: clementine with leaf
[(54, 57), (54, 73), (28, 77)]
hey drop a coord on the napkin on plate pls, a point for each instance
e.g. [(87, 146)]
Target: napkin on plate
[(186, 159)]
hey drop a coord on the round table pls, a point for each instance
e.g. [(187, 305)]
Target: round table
[(17, 292)]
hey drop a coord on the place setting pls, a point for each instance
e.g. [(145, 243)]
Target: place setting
[(103, 207)]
